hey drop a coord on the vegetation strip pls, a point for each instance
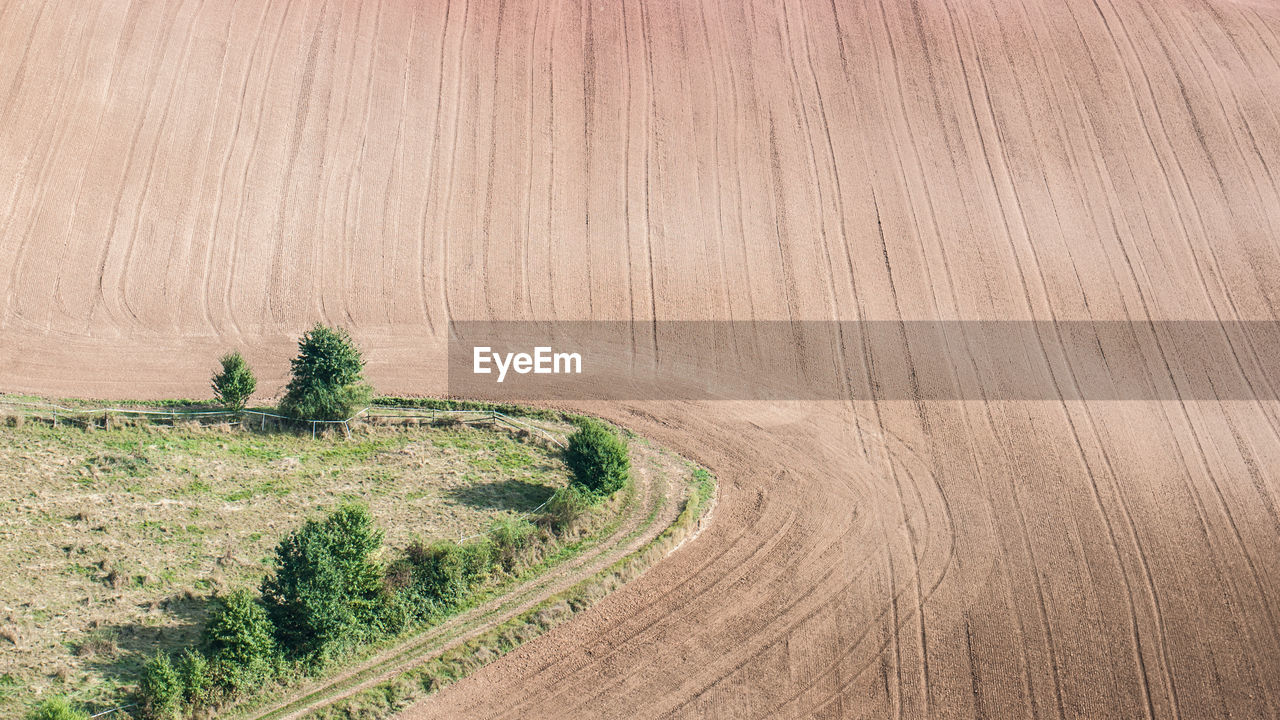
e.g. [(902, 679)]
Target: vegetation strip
[(413, 654), (432, 674), (333, 599), (407, 651)]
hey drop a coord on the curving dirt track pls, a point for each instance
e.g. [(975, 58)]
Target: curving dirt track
[(179, 177)]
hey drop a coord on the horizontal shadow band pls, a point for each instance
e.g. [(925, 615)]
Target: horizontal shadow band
[(865, 360)]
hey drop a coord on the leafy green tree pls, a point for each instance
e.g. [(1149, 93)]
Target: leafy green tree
[(160, 689), (597, 458), (327, 377), (241, 641), (327, 591), (234, 383), (57, 708)]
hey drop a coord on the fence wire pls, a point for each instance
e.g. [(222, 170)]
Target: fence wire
[(372, 412)]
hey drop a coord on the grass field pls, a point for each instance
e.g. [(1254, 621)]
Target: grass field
[(115, 539)]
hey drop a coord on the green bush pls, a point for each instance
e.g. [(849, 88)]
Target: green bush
[(241, 643), (510, 537), (197, 678), (326, 592), (57, 708), (160, 689), (444, 573), (566, 506), (327, 381), (235, 383), (597, 458)]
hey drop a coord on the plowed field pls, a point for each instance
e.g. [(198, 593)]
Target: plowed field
[(180, 177)]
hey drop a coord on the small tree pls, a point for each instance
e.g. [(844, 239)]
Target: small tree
[(327, 381), (240, 639), (327, 591), (197, 678), (57, 708), (160, 689), (235, 383), (597, 458)]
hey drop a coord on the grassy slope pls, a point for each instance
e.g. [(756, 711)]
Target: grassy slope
[(116, 538), (458, 661)]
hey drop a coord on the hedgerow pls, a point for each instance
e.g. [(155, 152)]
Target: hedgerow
[(326, 595)]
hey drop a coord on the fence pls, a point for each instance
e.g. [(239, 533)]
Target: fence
[(494, 417)]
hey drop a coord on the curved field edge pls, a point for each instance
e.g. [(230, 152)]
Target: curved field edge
[(375, 660), (117, 541), (621, 548), (457, 662), (629, 522)]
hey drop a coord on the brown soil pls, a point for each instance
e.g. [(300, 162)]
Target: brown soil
[(177, 178)]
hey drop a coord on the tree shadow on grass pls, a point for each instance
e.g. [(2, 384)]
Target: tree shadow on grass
[(512, 494), (118, 652)]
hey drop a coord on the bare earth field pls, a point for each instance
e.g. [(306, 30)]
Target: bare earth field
[(181, 177)]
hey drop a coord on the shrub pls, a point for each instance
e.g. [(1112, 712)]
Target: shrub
[(197, 678), (566, 506), (241, 643), (597, 458), (444, 573), (160, 689), (57, 708), (510, 537), (235, 383), (327, 382), (327, 592)]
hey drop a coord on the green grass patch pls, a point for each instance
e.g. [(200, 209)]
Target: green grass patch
[(137, 525)]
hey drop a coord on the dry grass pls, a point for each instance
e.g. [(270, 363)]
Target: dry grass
[(114, 539)]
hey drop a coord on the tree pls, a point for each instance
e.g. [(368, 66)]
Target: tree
[(160, 689), (57, 708), (235, 383), (327, 591), (197, 678), (597, 458), (327, 381), (241, 641)]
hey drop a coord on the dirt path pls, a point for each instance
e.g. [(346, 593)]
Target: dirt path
[(181, 177), (656, 504)]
